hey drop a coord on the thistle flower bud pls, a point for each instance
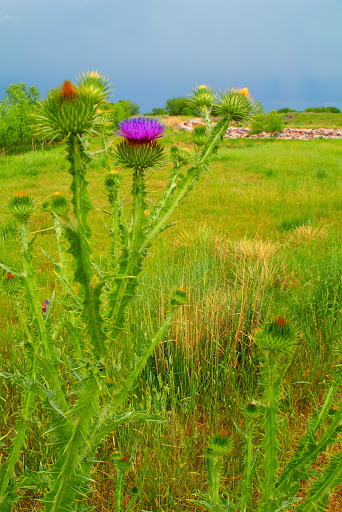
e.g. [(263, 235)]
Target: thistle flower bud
[(219, 445), (278, 337), (179, 297), (134, 492), (199, 135), (202, 97), (9, 284), (94, 84), (21, 206), (235, 104), (180, 156), (113, 181), (122, 463), (69, 110), (251, 411), (59, 204)]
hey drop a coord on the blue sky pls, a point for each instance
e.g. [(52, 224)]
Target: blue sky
[(288, 53)]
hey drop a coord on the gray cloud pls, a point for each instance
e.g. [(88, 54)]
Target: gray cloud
[(285, 52), (5, 18)]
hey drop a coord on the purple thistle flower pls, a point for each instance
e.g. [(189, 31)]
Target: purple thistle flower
[(45, 305), (140, 129)]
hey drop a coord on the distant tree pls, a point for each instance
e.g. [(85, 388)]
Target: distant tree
[(17, 125), (119, 110), (134, 108), (285, 110), (158, 112), (323, 110), (179, 106)]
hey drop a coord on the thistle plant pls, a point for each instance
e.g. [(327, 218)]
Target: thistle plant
[(278, 489), (72, 354)]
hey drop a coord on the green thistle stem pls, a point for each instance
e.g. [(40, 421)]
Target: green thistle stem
[(169, 191), (80, 247), (270, 443), (115, 245), (248, 462), (205, 111), (60, 247), (119, 488), (132, 267), (214, 472)]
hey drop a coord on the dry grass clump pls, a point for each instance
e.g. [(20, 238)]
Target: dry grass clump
[(307, 233), (247, 249), (172, 121)]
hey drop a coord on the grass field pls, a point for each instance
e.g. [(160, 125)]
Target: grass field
[(258, 237), (312, 120)]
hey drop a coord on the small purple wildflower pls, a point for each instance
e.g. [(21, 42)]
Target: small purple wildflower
[(140, 129), (45, 305)]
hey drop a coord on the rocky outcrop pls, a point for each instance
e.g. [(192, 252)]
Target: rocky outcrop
[(287, 133)]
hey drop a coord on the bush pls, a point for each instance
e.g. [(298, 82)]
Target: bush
[(270, 123), (158, 112), (323, 110), (180, 106), (285, 110), (17, 126), (119, 110)]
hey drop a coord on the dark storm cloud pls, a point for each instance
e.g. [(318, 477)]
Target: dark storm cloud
[(287, 53)]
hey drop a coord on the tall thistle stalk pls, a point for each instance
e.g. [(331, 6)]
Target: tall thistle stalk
[(279, 490), (94, 400)]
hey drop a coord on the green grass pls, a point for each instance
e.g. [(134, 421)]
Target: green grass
[(312, 120), (258, 237)]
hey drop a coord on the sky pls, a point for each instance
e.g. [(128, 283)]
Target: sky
[(287, 52)]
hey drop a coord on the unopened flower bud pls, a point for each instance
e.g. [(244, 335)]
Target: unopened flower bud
[(21, 206), (179, 297), (278, 336), (59, 204), (94, 84), (199, 135), (202, 97), (219, 445), (113, 181)]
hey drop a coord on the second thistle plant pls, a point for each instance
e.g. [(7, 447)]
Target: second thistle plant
[(278, 490)]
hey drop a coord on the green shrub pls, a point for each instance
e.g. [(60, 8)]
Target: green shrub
[(270, 123), (180, 106), (17, 127), (285, 110), (323, 110), (158, 112)]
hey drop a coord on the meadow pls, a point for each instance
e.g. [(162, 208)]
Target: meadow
[(258, 237)]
